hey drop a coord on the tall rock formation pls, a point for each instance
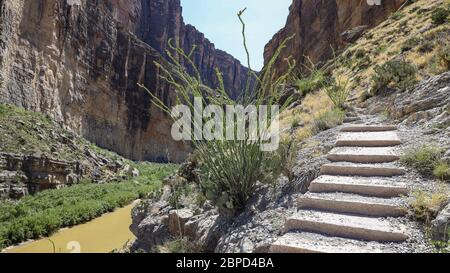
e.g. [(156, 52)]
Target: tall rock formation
[(318, 26), (162, 20), (80, 61)]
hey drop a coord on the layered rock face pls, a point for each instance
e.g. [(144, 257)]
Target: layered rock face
[(21, 175), (80, 61), (318, 26), (162, 20)]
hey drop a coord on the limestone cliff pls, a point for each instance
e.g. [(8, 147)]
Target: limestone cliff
[(80, 61), (318, 26), (161, 20)]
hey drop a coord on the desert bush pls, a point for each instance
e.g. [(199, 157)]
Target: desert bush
[(338, 91), (312, 82), (424, 159), (427, 205), (426, 46), (288, 152), (338, 86), (360, 53), (440, 16), (442, 171), (397, 15), (409, 44), (310, 79), (230, 171), (444, 56), (177, 245), (397, 74), (328, 120)]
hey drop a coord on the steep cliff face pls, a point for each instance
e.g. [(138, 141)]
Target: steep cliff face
[(318, 26), (80, 61), (162, 20)]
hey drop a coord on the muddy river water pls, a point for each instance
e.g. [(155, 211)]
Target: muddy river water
[(102, 235)]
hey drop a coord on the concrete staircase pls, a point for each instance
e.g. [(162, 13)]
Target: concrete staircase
[(355, 205)]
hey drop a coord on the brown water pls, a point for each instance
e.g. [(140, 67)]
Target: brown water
[(102, 235)]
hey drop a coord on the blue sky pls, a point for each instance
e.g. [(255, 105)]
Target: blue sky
[(218, 21)]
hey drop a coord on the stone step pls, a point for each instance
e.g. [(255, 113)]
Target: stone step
[(305, 242), (351, 114), (363, 154), (368, 139), (353, 204), (351, 119), (348, 226), (352, 169), (369, 128), (379, 187)]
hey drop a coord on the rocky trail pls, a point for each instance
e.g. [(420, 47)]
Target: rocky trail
[(358, 203)]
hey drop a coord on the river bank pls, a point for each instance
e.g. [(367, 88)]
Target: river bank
[(101, 235)]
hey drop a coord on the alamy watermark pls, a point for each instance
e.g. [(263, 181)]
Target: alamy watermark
[(374, 2), (227, 123)]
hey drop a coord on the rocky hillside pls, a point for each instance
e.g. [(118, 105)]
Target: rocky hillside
[(321, 25), (80, 61), (36, 154)]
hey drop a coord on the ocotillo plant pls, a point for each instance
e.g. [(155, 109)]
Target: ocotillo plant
[(230, 169)]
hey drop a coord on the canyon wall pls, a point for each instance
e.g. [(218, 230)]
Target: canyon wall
[(161, 20), (80, 61), (318, 26)]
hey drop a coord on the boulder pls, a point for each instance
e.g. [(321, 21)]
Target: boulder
[(353, 34), (205, 230), (135, 172), (440, 227), (177, 221), (427, 100)]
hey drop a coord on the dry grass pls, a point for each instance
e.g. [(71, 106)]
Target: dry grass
[(426, 205), (385, 43), (312, 107)]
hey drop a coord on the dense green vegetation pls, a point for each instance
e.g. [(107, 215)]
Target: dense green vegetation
[(440, 16), (44, 213), (310, 83)]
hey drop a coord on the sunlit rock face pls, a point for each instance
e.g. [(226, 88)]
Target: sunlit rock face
[(318, 27), (80, 61)]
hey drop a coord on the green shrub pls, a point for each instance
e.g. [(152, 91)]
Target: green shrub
[(397, 15), (178, 245), (338, 91), (380, 49), (440, 16), (360, 53), (424, 159), (442, 171), (328, 120), (426, 46), (338, 86), (288, 153), (444, 56), (396, 74), (426, 205), (410, 44), (310, 83)]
